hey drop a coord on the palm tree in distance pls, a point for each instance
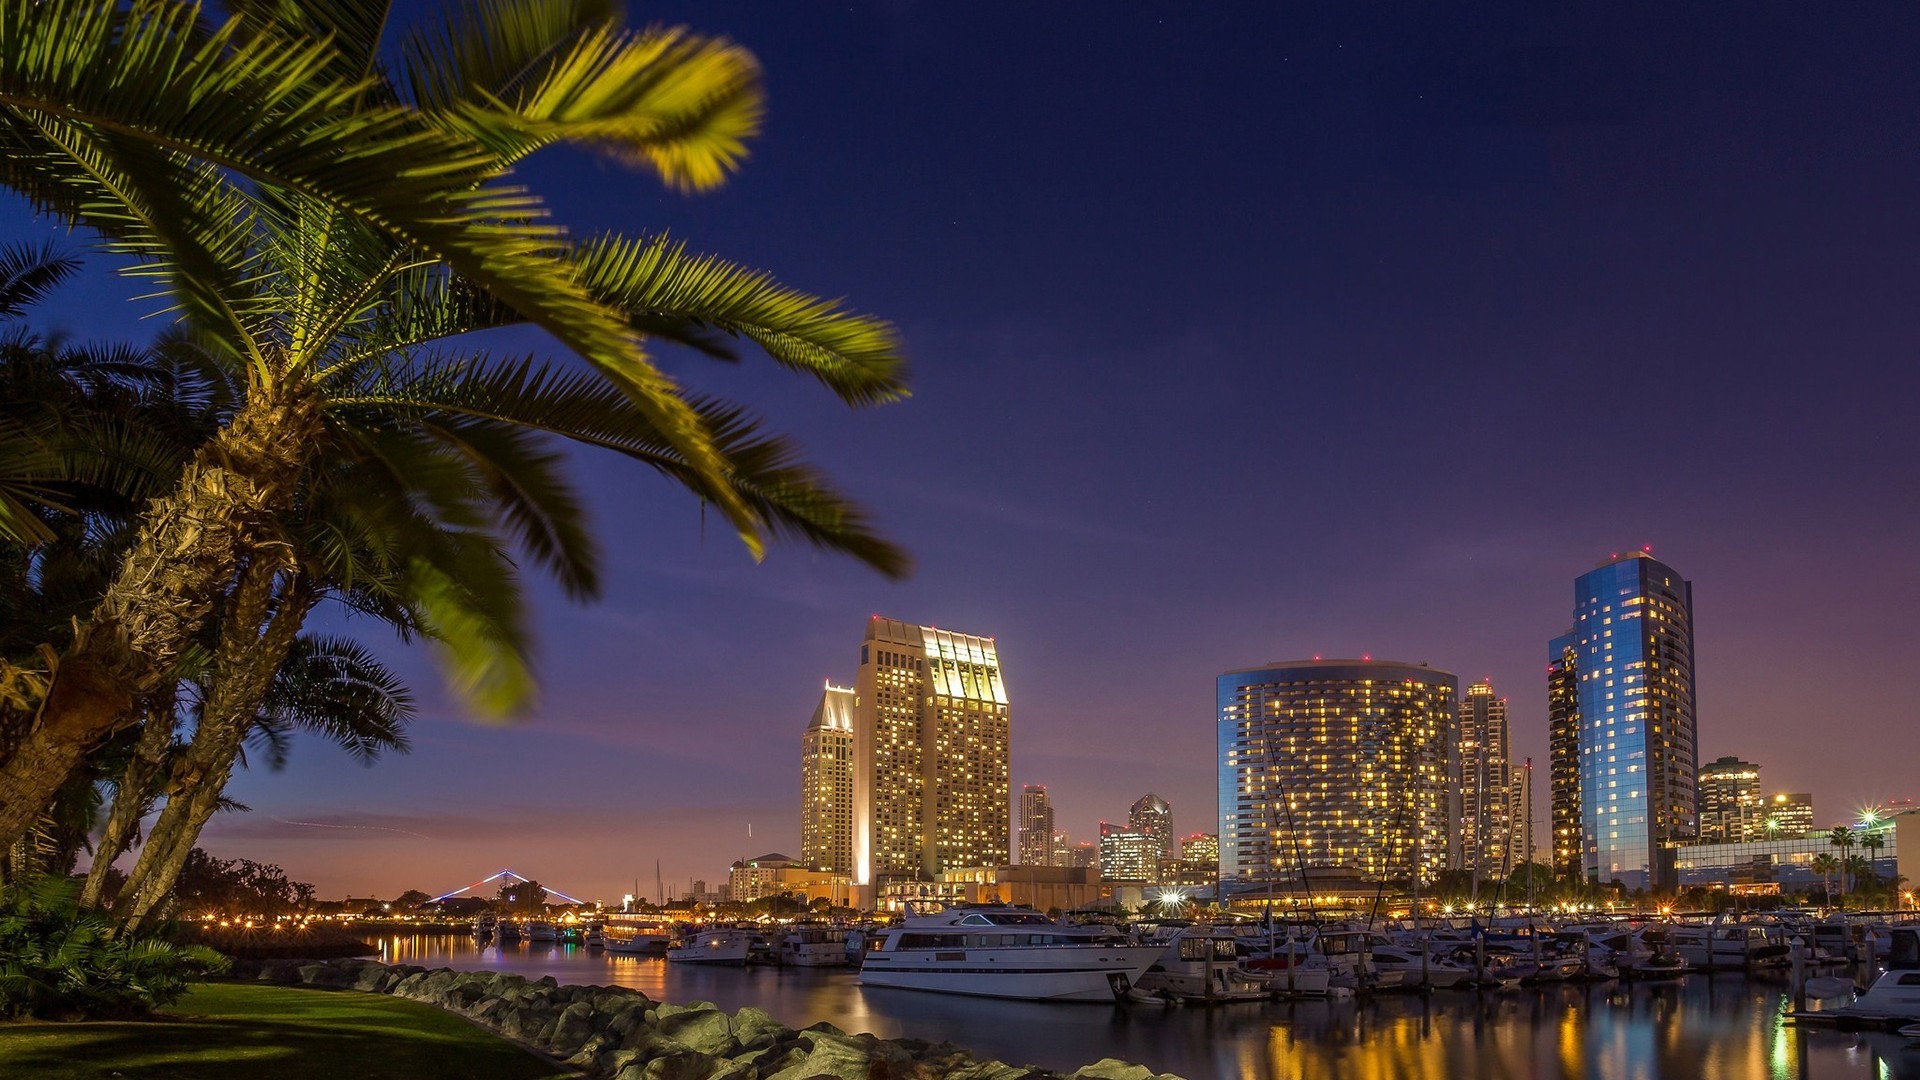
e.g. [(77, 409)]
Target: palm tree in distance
[(329, 224), (1841, 836), (1824, 865)]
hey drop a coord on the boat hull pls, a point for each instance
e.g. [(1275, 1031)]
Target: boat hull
[(1093, 973)]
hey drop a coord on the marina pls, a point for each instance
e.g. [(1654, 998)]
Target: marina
[(1719, 1025)]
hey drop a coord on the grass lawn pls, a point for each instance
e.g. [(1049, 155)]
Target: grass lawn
[(240, 1031)]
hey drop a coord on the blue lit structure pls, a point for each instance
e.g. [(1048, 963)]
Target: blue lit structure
[(1634, 725)]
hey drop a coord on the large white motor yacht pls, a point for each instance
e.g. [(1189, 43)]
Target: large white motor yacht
[(1007, 953)]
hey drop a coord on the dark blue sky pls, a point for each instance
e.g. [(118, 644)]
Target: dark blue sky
[(1238, 336)]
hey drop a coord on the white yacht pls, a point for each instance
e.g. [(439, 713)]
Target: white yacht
[(633, 934), (1895, 995), (1007, 953), (714, 945), (541, 930), (814, 946)]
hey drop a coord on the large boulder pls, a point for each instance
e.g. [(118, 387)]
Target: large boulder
[(571, 1030), (757, 1030), (684, 1065), (842, 1057), (1114, 1069), (707, 1031)]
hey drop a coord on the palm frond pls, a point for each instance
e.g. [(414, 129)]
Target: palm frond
[(28, 273)]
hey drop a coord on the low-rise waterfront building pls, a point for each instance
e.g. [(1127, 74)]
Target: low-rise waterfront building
[(1785, 864), (773, 874), (1043, 888)]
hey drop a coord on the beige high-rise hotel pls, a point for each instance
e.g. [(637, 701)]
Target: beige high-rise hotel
[(826, 784), (931, 753)]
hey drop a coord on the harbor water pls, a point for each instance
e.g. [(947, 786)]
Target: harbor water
[(1709, 1027)]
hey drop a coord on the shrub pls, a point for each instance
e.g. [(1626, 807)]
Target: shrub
[(61, 961)]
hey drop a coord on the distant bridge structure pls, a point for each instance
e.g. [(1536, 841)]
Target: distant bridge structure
[(507, 874)]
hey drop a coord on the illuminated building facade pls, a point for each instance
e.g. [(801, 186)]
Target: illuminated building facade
[(931, 753), (1200, 848), (1521, 814), (1731, 809), (1150, 814), (1036, 827), (1129, 854), (1788, 813), (1336, 763), (826, 784), (1483, 782), (1638, 763), (1563, 761)]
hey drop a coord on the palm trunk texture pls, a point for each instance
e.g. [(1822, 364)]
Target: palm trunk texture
[(253, 644), (190, 546), (130, 799)]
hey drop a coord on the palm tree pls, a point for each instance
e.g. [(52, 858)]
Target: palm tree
[(1824, 865), (1841, 836), (326, 221)]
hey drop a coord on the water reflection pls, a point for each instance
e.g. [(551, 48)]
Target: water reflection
[(1722, 1027)]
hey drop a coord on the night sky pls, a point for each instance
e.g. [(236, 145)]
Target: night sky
[(1237, 337)]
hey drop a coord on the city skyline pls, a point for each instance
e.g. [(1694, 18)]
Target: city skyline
[(1138, 479)]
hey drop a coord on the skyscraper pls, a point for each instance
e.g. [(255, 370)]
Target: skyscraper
[(1731, 809), (1789, 813), (1129, 854), (1632, 666), (1150, 814), (826, 784), (1036, 826), (931, 753), (1483, 781), (1522, 817), (1563, 761), (1337, 763)]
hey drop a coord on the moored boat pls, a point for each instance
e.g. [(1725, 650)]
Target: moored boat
[(1204, 966), (1006, 953), (714, 945), (814, 946)]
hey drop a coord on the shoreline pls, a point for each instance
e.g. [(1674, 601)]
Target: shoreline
[(621, 1034)]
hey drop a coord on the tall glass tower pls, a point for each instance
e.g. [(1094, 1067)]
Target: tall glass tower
[(1632, 649)]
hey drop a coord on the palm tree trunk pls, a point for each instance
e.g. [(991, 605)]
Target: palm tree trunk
[(191, 544), (255, 637), (131, 797)]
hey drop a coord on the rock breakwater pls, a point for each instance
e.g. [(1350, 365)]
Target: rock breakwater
[(620, 1034)]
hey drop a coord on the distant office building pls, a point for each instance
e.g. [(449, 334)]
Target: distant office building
[(1789, 813), (1521, 815), (1129, 854), (1563, 761), (1151, 814), (1085, 853), (1336, 763), (1062, 852), (1631, 661), (1036, 826), (1731, 809), (826, 784), (1044, 888), (1200, 848), (698, 890), (931, 753), (1483, 782)]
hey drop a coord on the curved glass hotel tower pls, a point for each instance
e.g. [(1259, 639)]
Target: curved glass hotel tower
[(1336, 763), (1629, 658)]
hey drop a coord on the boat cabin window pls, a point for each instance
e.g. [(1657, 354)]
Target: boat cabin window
[(1909, 980), (1905, 951)]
